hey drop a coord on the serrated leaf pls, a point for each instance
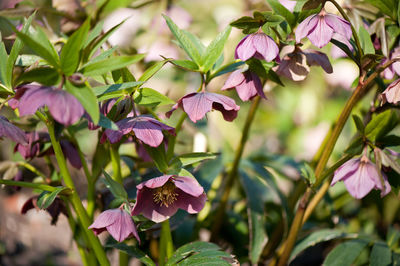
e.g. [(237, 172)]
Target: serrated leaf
[(87, 98), (214, 50), (70, 53), (133, 252), (380, 125), (47, 198), (366, 42), (345, 253), (186, 65), (150, 97), (115, 188), (315, 238), (153, 70), (94, 33), (381, 255), (110, 64), (185, 41)]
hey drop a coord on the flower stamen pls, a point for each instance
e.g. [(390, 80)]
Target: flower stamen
[(165, 195)]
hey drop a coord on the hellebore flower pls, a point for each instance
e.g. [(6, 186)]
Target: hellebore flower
[(63, 106), (10, 131), (54, 209), (117, 222), (360, 176), (296, 65), (389, 72), (146, 129), (159, 198), (247, 84), (392, 92), (258, 45), (197, 104), (32, 148), (319, 28)]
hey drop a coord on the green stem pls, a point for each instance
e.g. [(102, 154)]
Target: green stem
[(116, 163), (166, 244), (33, 185), (32, 169), (329, 145), (355, 36), (230, 178), (74, 198)]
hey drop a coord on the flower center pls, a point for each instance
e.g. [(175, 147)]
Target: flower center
[(165, 195)]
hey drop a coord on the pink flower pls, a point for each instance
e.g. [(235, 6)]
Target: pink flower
[(392, 92), (258, 45), (10, 131), (146, 129), (197, 104), (63, 106), (159, 198), (32, 148), (389, 72), (319, 28), (360, 176), (247, 84), (117, 222)]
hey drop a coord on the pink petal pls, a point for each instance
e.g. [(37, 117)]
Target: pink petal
[(154, 182), (197, 105), (13, 132), (306, 26), (105, 219), (322, 33), (346, 170), (316, 58), (34, 98), (245, 49), (265, 46), (190, 203), (359, 184), (64, 107), (339, 25), (123, 226), (234, 79), (392, 92), (188, 185), (149, 133)]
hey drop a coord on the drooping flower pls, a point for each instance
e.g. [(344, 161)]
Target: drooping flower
[(145, 128), (258, 45), (360, 176), (296, 65), (319, 28), (32, 148), (55, 209), (247, 84), (197, 104), (63, 106), (10, 131), (117, 222), (159, 198), (392, 92)]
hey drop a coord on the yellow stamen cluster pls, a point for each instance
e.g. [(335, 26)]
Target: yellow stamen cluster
[(165, 195)]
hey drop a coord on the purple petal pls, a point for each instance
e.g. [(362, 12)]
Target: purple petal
[(339, 25), (149, 133), (190, 203), (123, 227), (105, 219), (245, 49), (196, 105), (321, 34), (71, 154), (346, 170), (316, 58), (234, 79), (154, 182), (265, 46), (188, 185), (306, 26), (64, 107), (360, 184), (294, 66), (13, 132), (169, 113), (224, 104), (392, 92), (33, 98)]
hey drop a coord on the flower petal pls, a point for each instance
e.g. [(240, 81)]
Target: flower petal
[(245, 49), (316, 58), (339, 25), (305, 27), (346, 170), (321, 34), (155, 182), (190, 203), (265, 46), (13, 132), (188, 185), (234, 79)]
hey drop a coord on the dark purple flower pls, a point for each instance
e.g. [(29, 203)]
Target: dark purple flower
[(247, 84), (159, 198), (63, 106), (146, 129), (10, 131), (71, 153), (117, 222), (360, 176), (392, 92), (319, 28), (258, 45), (197, 104), (54, 209), (32, 148)]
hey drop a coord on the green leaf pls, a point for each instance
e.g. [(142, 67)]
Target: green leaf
[(94, 33), (26, 60), (46, 198), (344, 48), (150, 97), (315, 238), (3, 67), (159, 157), (230, 67), (100, 159), (153, 70), (356, 146), (246, 23), (70, 53), (381, 255), (256, 192), (87, 98), (15, 50), (359, 123), (186, 65), (308, 173), (105, 122), (115, 188), (43, 75), (380, 125), (215, 49), (387, 7), (133, 252), (398, 13), (200, 250), (345, 253), (102, 91), (122, 75), (41, 45), (366, 42), (191, 158), (185, 41), (110, 64), (282, 11)]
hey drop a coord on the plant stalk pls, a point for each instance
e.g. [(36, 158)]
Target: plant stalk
[(166, 244)]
